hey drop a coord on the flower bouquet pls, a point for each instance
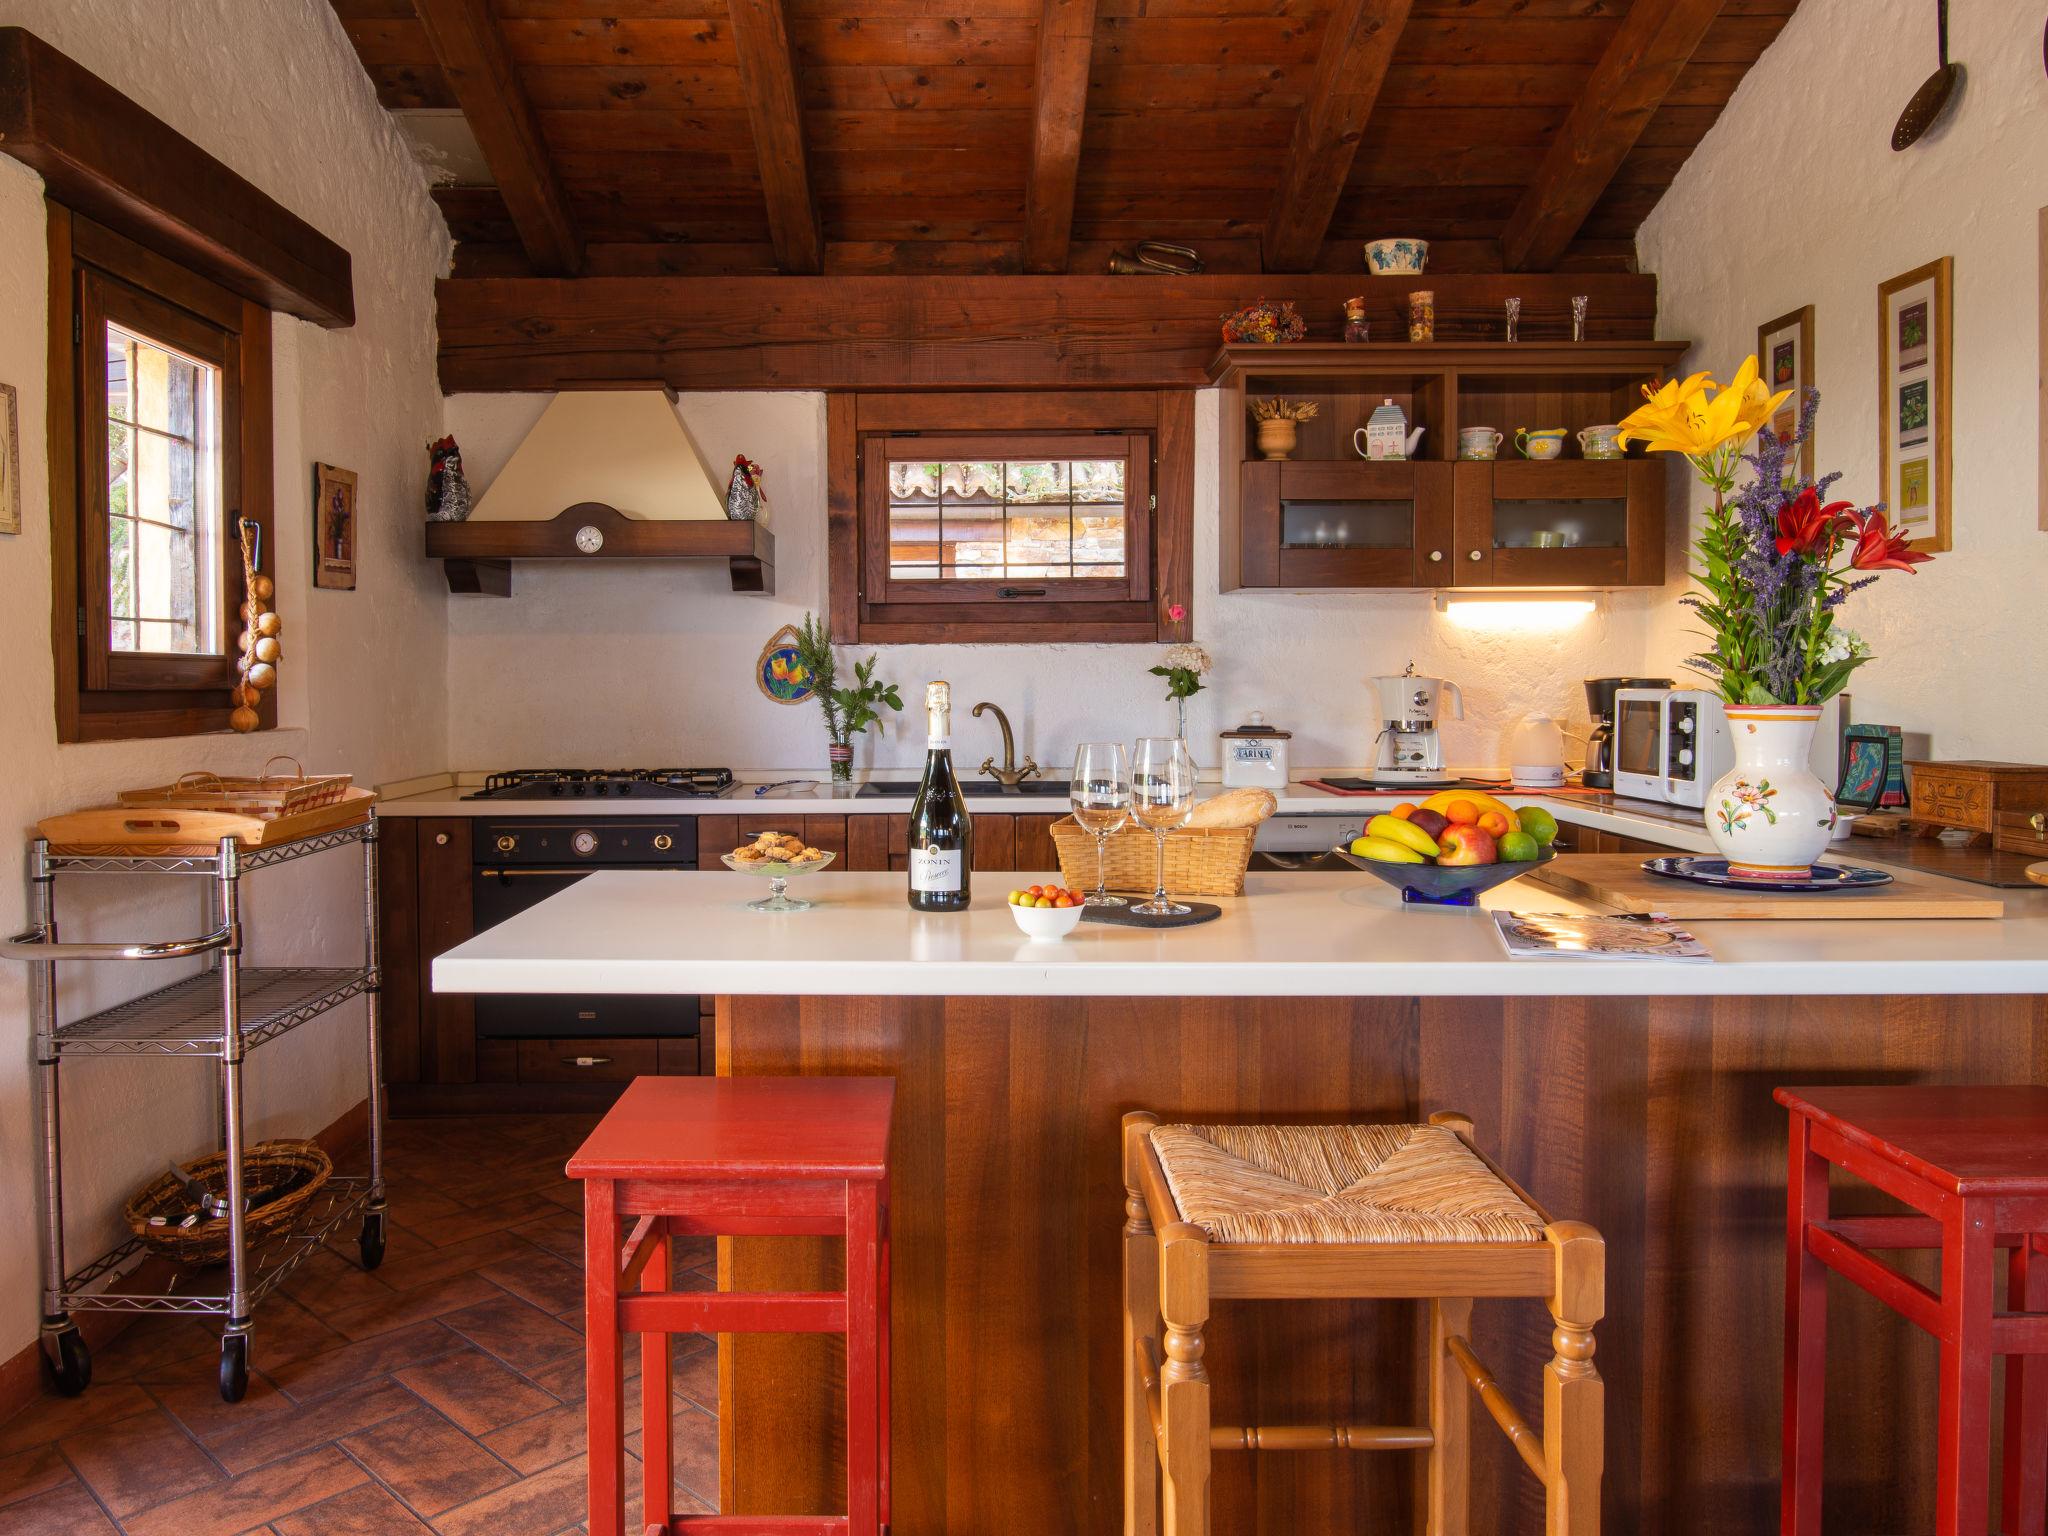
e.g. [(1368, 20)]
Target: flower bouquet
[(848, 711), (1774, 565), (1184, 668)]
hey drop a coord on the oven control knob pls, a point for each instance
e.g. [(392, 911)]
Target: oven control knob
[(585, 843), (507, 842), (1685, 757), (663, 842), (1684, 725)]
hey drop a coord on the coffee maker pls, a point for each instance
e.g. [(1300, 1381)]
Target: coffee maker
[(1409, 751), (1600, 693)]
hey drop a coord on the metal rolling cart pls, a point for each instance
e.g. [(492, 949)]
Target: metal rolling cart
[(222, 1013)]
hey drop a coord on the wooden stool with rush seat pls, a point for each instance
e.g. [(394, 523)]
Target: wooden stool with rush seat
[(1367, 1211)]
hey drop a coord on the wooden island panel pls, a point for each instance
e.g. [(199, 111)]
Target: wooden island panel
[(1650, 1118)]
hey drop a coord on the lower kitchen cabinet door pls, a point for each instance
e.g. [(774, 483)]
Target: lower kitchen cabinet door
[(447, 916), (580, 1061)]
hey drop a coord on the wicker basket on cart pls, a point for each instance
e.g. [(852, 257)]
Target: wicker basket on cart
[(267, 796), (1200, 861), (278, 1178)]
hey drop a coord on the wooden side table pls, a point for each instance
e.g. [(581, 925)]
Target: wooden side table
[(1974, 1162), (734, 1157)]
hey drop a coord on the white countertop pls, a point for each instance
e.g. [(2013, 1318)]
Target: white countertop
[(1291, 935), (442, 795)]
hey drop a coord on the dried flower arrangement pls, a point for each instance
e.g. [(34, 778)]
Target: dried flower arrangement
[(1266, 322), (1277, 409)]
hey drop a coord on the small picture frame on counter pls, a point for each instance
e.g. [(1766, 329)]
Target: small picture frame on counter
[(1873, 768)]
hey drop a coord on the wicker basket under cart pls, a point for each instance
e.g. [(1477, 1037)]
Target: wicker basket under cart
[(282, 1201)]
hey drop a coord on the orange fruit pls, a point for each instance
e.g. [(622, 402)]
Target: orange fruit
[(1464, 812), (1494, 822), (1404, 810)]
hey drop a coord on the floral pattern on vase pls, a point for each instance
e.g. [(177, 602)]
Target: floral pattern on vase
[(1769, 815)]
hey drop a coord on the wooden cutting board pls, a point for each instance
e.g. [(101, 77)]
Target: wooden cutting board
[(112, 831), (1617, 882)]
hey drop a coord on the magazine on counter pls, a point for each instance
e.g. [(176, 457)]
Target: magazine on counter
[(1624, 936)]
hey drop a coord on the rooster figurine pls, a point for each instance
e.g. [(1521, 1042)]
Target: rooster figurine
[(448, 499), (743, 495)]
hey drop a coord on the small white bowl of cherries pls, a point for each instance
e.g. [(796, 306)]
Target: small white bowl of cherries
[(1047, 911)]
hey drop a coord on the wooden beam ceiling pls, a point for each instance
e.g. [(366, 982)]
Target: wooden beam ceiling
[(1066, 46), (767, 69), (1641, 64), (1350, 69), (478, 66)]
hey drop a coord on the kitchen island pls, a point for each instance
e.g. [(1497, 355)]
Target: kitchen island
[(1633, 1097)]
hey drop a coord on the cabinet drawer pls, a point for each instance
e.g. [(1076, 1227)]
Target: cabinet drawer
[(1952, 802), (593, 1060)]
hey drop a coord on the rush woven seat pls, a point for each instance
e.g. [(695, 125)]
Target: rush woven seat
[(1339, 1184)]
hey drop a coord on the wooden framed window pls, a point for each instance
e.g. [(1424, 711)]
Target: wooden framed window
[(1010, 518), (160, 443)]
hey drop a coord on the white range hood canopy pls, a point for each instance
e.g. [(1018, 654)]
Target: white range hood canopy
[(624, 448)]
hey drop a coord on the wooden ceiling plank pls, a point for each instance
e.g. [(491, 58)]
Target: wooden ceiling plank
[(1641, 65), (1066, 48), (1357, 49), (760, 31), (478, 65)]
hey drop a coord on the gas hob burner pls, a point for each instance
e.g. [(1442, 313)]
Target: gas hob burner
[(607, 784)]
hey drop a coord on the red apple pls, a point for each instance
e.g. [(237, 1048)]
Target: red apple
[(1463, 843), (1432, 822)]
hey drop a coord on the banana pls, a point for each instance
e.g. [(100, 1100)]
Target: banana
[(1478, 797), (1384, 850), (1395, 830)]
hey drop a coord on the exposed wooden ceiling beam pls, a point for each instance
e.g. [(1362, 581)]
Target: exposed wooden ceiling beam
[(760, 34), (474, 57), (1356, 51), (1641, 64), (1066, 44)]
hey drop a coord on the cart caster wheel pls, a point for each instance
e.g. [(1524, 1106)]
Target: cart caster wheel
[(371, 1243), (72, 1366), (234, 1367)]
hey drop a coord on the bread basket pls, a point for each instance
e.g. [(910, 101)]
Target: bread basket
[(278, 1178), (1200, 861)]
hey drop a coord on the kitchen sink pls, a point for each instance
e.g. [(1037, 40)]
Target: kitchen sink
[(876, 789)]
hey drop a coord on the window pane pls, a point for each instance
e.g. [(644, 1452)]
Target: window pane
[(164, 516), (1002, 520)]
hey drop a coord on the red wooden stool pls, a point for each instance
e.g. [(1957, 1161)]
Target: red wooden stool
[(735, 1157), (1974, 1161)]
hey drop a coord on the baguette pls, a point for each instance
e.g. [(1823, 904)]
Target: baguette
[(1235, 808)]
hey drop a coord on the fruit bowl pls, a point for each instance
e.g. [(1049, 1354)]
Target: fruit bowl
[(1443, 885), (778, 873), (1047, 922)]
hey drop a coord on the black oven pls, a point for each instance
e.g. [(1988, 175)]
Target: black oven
[(520, 862)]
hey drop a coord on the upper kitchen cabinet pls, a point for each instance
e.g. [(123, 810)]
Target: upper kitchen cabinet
[(1324, 517)]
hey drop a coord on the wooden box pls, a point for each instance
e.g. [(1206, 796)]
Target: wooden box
[(1976, 794)]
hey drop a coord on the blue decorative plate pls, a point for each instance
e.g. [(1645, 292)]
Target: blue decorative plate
[(1820, 877)]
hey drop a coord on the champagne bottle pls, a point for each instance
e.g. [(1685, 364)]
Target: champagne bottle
[(941, 832)]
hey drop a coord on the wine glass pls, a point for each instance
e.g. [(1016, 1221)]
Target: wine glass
[(1162, 796), (1102, 805)]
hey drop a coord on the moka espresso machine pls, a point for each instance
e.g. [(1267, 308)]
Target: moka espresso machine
[(1409, 750)]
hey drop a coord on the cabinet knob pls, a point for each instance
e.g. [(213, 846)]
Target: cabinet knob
[(441, 838), (2038, 821), (586, 1061), (1475, 555), (1436, 554), (507, 843), (663, 842)]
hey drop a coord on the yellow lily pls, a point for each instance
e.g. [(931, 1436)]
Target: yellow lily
[(1699, 418)]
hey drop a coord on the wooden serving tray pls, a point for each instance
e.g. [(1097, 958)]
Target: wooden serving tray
[(116, 831), (1617, 882)]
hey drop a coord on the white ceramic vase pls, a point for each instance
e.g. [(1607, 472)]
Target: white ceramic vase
[(1770, 816)]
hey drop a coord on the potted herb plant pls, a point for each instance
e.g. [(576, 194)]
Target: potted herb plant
[(848, 711), (1775, 565)]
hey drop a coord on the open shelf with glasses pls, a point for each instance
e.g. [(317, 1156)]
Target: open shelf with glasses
[(1323, 517)]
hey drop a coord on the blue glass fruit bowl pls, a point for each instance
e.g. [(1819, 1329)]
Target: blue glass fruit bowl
[(1443, 885)]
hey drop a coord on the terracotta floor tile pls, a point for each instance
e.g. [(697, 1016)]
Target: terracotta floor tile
[(253, 1498), (195, 1402), (327, 1282), (28, 1473), (547, 1501), (153, 1348), (476, 1391), (695, 1374), (567, 1193), (428, 1462), (478, 1220), (561, 1234), (429, 1301), (695, 1441), (364, 1511), (67, 1511), (429, 1265), (417, 1202), (327, 1418), (693, 1252), (550, 1283), (521, 1335), (284, 1331), (51, 1418), (134, 1463), (378, 1355), (535, 1444)]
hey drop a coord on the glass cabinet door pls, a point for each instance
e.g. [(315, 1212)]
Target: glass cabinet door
[(1325, 524), (1566, 523)]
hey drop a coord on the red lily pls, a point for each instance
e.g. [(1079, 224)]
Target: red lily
[(1879, 549), (1804, 523)]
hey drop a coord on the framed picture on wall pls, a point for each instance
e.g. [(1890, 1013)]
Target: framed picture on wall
[(10, 462), (1784, 351), (334, 528), (2041, 279), (1913, 386)]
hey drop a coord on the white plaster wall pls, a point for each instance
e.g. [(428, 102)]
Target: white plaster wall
[(1796, 197), (272, 88), (623, 664)]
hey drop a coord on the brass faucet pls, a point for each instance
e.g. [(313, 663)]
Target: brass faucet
[(1009, 775)]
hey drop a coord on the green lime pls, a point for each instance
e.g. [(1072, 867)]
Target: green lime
[(1520, 848), (1538, 823)]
